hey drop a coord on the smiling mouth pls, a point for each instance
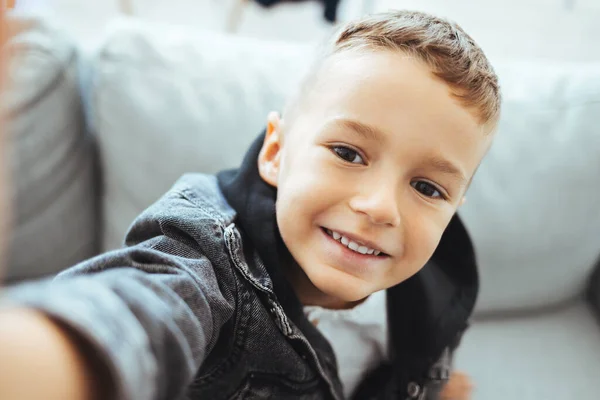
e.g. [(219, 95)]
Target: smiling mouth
[(352, 245)]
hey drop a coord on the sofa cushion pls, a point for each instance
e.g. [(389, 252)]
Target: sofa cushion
[(552, 355), (51, 158), (533, 206), (168, 100)]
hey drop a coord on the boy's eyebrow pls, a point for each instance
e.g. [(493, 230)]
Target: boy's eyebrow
[(367, 131), (445, 166)]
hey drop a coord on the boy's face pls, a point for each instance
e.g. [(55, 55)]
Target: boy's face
[(369, 174)]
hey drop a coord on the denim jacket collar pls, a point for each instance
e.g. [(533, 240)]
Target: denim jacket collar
[(254, 201)]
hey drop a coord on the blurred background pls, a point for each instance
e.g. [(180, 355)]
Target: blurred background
[(109, 102), (554, 29)]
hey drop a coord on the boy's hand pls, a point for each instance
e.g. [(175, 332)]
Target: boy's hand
[(41, 360), (459, 387)]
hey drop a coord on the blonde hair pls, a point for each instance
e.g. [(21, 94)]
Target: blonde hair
[(450, 53)]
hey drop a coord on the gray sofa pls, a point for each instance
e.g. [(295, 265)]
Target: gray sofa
[(99, 134)]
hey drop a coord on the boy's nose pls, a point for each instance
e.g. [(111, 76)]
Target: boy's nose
[(379, 205)]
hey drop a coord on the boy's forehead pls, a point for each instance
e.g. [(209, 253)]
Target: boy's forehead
[(346, 79), (366, 79), (383, 88), (367, 63)]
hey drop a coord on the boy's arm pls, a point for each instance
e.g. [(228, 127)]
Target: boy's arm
[(146, 312)]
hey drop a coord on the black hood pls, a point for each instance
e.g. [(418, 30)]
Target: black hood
[(425, 312)]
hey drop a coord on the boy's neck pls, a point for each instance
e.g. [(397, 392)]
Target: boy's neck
[(310, 295)]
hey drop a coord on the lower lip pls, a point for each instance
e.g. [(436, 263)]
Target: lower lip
[(350, 260)]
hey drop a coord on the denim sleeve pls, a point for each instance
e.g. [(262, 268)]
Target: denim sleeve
[(152, 310)]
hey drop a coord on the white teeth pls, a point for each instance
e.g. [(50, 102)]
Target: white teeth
[(352, 245)]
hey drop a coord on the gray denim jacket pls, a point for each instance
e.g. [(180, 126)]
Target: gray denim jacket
[(187, 310)]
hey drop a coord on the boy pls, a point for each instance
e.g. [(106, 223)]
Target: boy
[(330, 265)]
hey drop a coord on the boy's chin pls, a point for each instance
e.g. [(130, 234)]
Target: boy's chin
[(344, 294)]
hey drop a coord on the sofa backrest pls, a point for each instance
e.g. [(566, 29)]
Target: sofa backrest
[(165, 100), (532, 209), (53, 188)]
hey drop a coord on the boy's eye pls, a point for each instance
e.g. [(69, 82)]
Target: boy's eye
[(427, 189), (347, 154)]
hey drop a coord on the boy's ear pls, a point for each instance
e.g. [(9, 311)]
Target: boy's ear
[(270, 154)]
